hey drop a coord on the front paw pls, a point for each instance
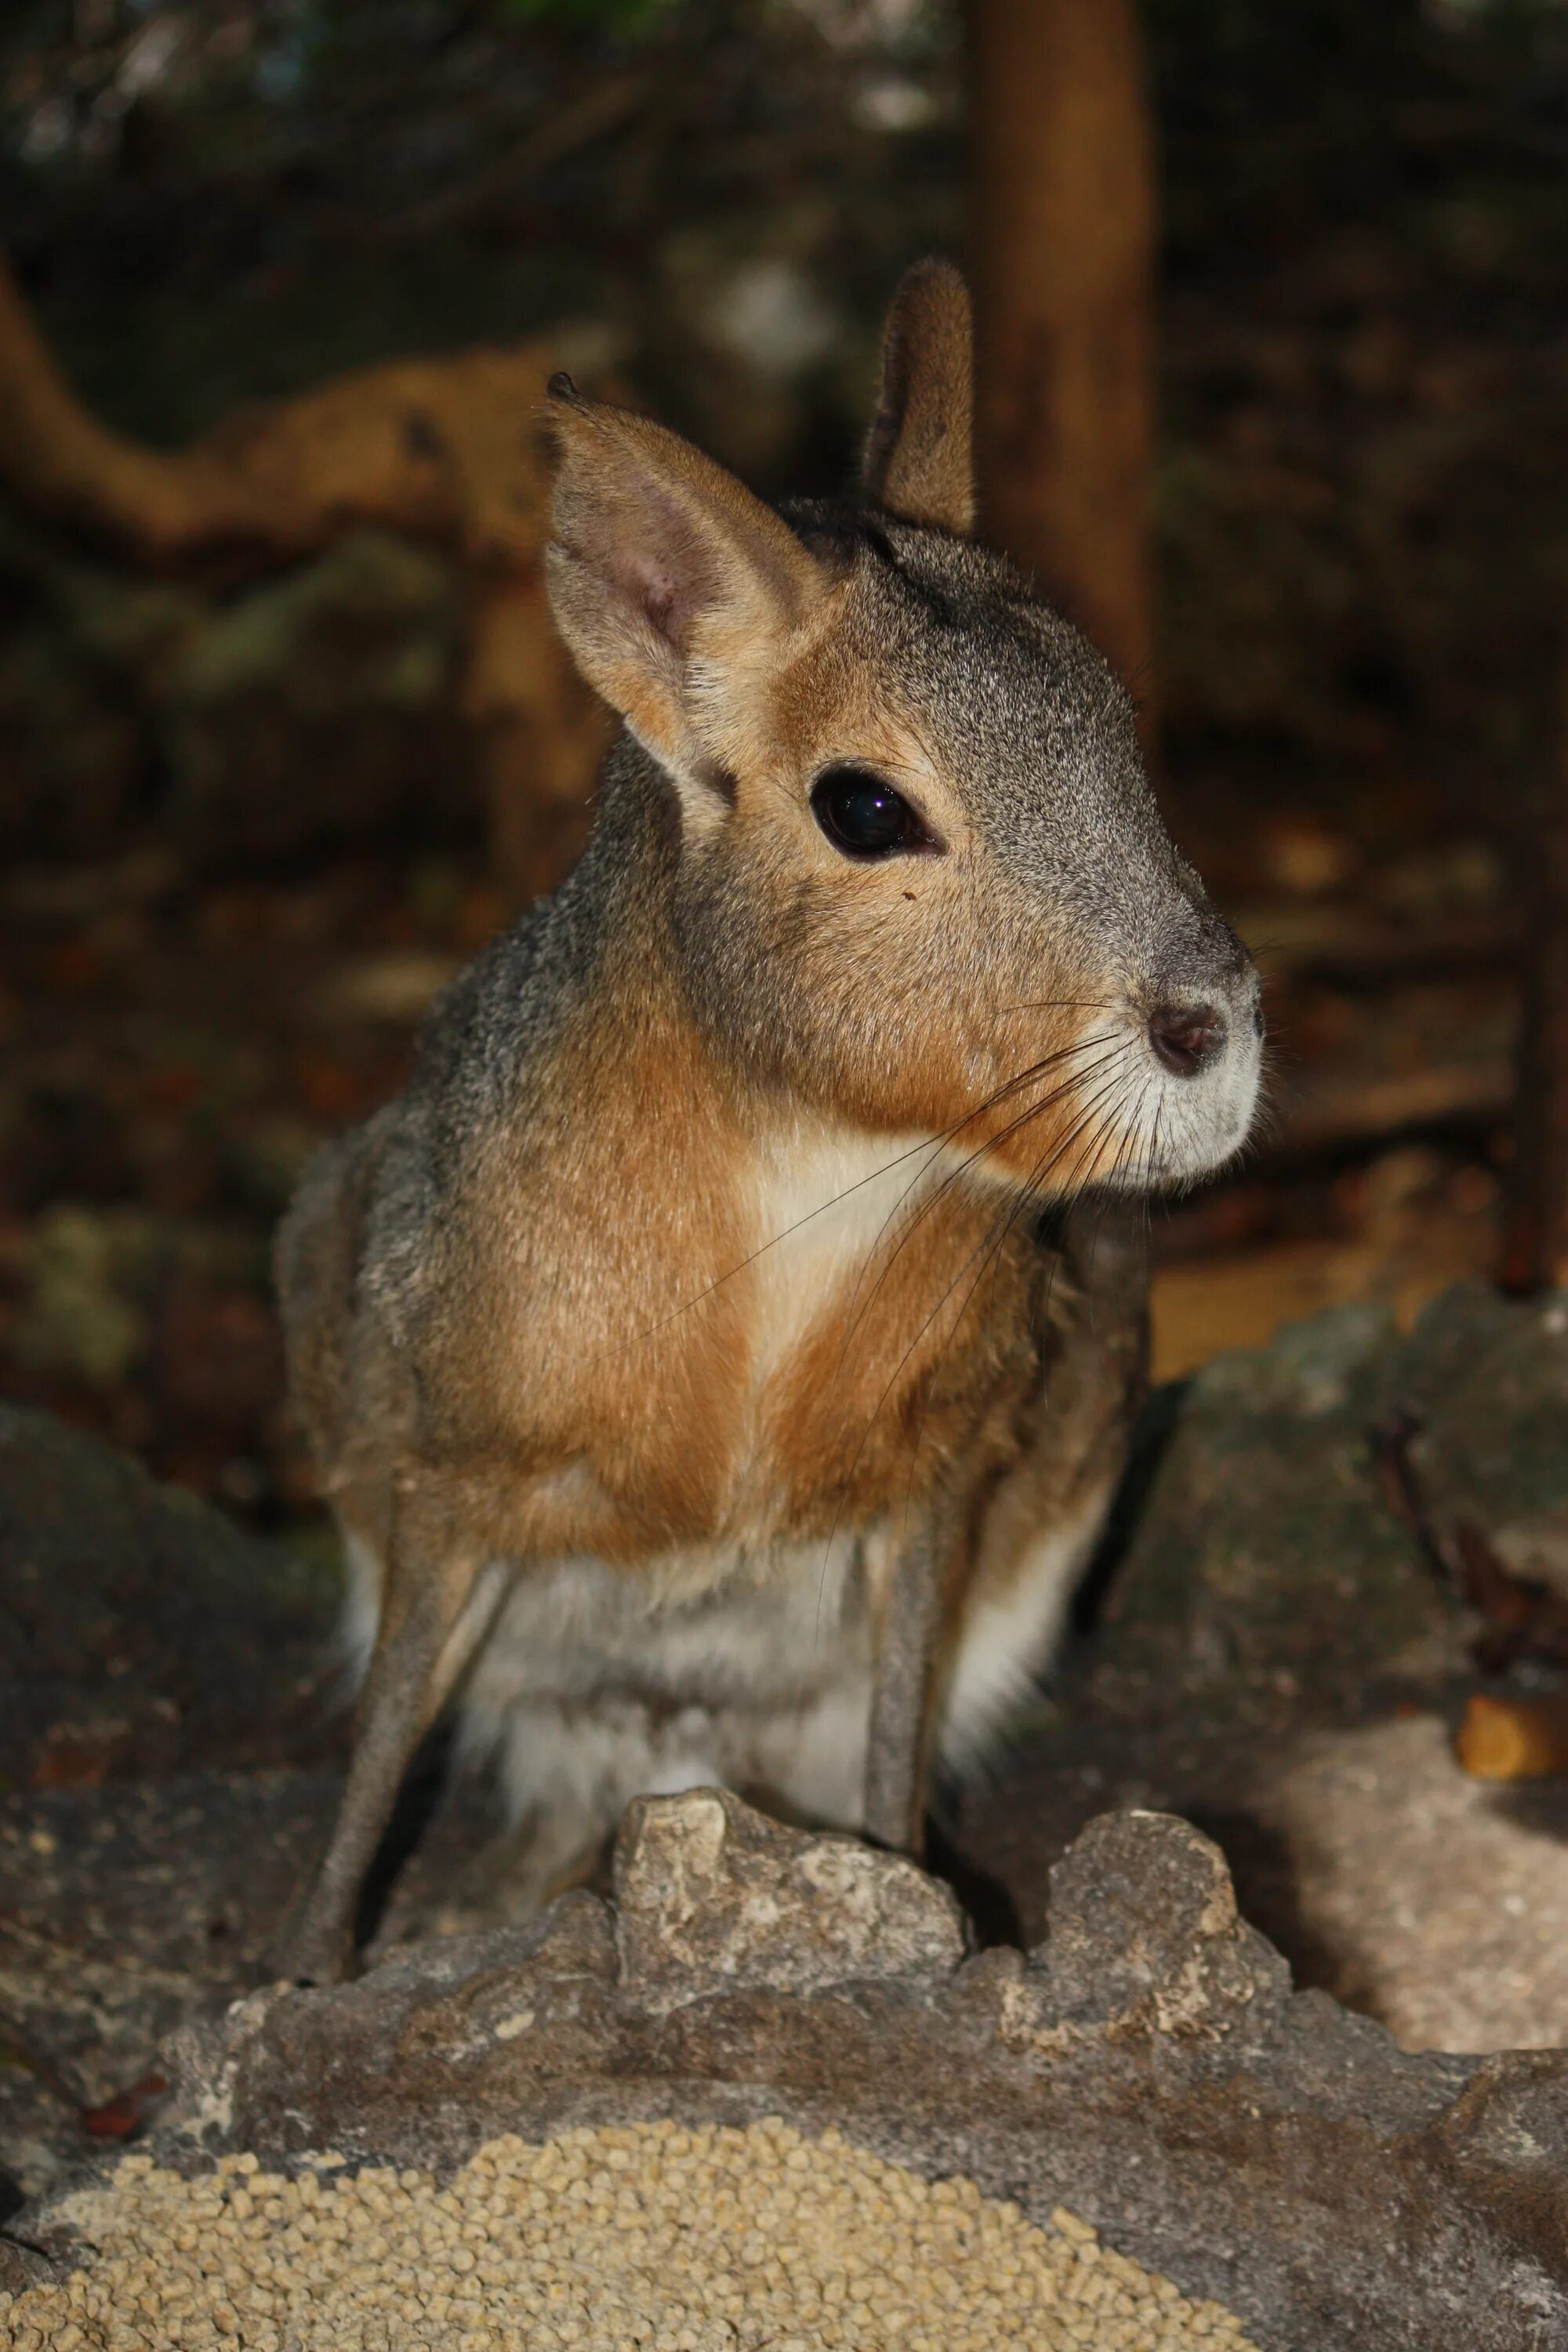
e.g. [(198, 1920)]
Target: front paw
[(310, 1951)]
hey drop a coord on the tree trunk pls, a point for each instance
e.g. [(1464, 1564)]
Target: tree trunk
[(1535, 1232), (1063, 241)]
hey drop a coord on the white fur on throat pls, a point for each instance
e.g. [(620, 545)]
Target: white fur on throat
[(823, 1197)]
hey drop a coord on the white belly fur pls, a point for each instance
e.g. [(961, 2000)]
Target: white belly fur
[(597, 1686), (592, 1691)]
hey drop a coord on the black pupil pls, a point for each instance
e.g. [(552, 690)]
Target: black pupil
[(863, 814)]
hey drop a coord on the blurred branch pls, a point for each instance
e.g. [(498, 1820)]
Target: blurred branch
[(437, 447), (440, 449), (62, 462)]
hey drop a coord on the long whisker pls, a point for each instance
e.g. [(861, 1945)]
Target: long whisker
[(1035, 1172), (1128, 1132), (983, 1250), (1131, 1156), (929, 1147), (934, 1200), (997, 1239)]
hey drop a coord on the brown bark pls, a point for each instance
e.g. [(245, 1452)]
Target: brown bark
[(1063, 243), (442, 449), (1535, 1233)]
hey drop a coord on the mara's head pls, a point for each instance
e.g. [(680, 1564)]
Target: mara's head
[(921, 883)]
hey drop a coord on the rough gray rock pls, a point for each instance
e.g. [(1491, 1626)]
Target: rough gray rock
[(126, 1910), (141, 1631), (152, 1657), (1277, 1661), (1487, 1377), (22, 2267), (1148, 2066), (1146, 1935), (710, 1896), (1267, 1576)]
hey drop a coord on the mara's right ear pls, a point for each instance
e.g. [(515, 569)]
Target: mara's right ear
[(920, 461), (669, 581)]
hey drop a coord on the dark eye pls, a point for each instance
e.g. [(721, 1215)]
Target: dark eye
[(863, 815)]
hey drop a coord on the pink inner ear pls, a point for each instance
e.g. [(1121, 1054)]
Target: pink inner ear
[(657, 590), (666, 570)]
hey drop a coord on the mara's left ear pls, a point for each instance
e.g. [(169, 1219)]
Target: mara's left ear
[(920, 460)]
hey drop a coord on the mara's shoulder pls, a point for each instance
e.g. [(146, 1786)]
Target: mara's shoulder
[(489, 1016)]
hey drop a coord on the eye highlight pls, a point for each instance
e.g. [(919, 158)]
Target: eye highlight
[(864, 817)]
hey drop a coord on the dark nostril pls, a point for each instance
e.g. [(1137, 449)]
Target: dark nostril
[(1186, 1037)]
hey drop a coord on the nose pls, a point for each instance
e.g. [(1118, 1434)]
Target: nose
[(1187, 1037)]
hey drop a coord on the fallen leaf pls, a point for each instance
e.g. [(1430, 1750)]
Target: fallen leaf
[(122, 2116)]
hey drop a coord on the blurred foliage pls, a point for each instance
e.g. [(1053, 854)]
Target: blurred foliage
[(1363, 498), (1276, 120), (254, 194), (1362, 502), (624, 16)]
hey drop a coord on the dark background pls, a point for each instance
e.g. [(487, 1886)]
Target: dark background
[(242, 825)]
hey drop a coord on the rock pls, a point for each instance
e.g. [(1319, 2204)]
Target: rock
[(1277, 1661), (1149, 2067), (22, 2267), (1487, 1379), (1145, 1931), (139, 1630), (711, 1897), (1265, 1548), (148, 1647), (126, 1910)]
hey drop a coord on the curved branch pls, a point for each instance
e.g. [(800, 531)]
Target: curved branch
[(60, 460), (440, 449)]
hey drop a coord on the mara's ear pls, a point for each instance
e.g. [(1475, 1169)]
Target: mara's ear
[(920, 457), (668, 581)]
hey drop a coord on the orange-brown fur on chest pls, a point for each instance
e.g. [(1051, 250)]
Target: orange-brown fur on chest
[(679, 1327)]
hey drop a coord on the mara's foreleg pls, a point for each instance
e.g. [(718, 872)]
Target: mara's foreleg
[(1105, 1255), (435, 1611), (901, 1687)]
